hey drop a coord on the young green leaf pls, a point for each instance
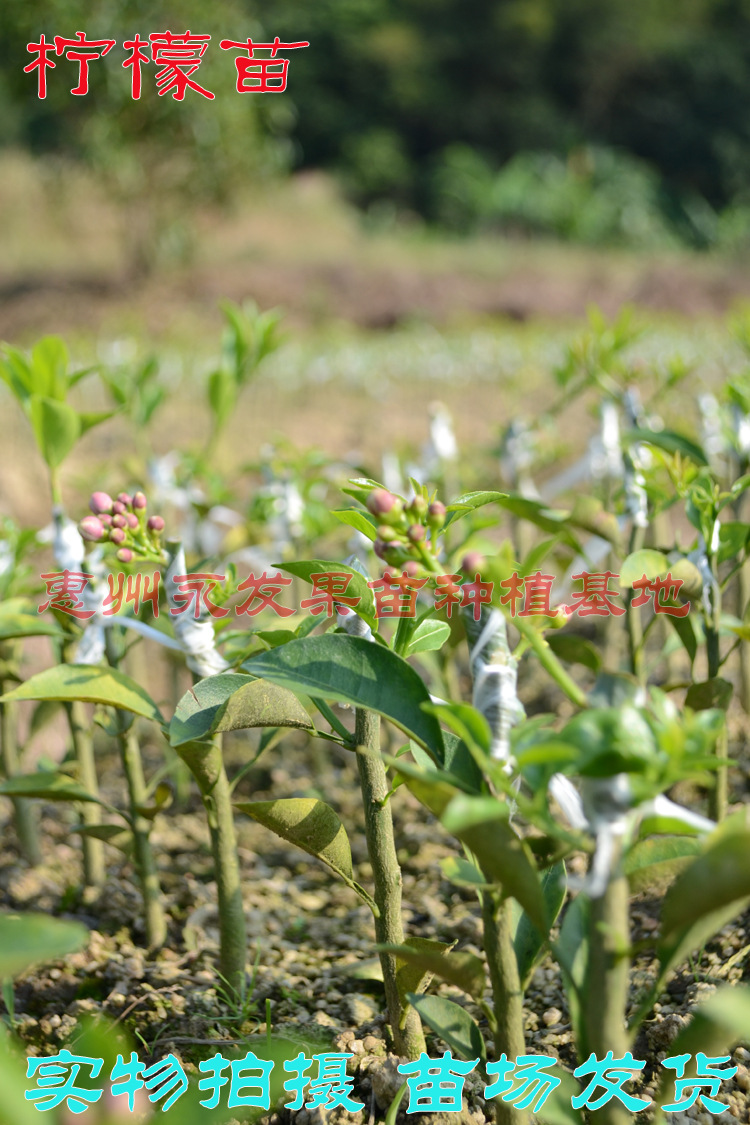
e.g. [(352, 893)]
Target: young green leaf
[(651, 863), (527, 941), (313, 826), (27, 939), (482, 823), (90, 684), (429, 636), (45, 785), (355, 671), (230, 701), (356, 587), (56, 427), (464, 970), (453, 1024)]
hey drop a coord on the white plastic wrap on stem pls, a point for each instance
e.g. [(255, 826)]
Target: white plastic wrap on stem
[(713, 437), (494, 673), (67, 545), (352, 623), (195, 638), (91, 647), (602, 459), (741, 427), (347, 618), (517, 457), (442, 445), (636, 498), (699, 557), (165, 490), (605, 808), (606, 458), (68, 549)]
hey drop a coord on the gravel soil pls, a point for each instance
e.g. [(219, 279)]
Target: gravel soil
[(312, 942)]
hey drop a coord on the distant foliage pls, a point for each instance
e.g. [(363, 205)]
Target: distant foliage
[(393, 92)]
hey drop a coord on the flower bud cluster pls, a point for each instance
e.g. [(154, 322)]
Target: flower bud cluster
[(408, 531), (124, 522)]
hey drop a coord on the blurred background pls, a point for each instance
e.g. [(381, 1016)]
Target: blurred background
[(439, 195)]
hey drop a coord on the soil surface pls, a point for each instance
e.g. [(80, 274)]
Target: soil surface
[(312, 943)]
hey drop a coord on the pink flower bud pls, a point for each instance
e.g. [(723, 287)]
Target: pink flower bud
[(473, 562), (119, 521), (125, 555), (411, 568), (100, 502), (133, 521), (139, 501), (118, 507), (155, 523), (125, 498), (91, 528), (436, 511), (417, 507), (117, 536), (379, 502), (416, 533)]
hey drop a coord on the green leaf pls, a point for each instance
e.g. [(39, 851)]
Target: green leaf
[(464, 970), (571, 951), (710, 693), (222, 394), (527, 941), (574, 650), (690, 577), (428, 636), (652, 564), (262, 704), (718, 1025), (588, 513), (552, 520), (56, 428), (453, 1024), (717, 880), (432, 788), (15, 371), (482, 823), (26, 625), (733, 536), (557, 1109), (49, 366), (462, 873), (356, 588), (113, 834), (611, 740), (27, 939), (651, 863), (670, 441), (469, 502), (612, 689), (88, 420), (313, 826), (459, 764), (360, 521), (685, 630), (90, 684), (230, 701), (392, 1114), (356, 671), (45, 785), (466, 723)]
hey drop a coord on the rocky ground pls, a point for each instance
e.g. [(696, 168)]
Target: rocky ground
[(312, 941)]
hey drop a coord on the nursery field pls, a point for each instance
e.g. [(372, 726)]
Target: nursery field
[(375, 693)]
